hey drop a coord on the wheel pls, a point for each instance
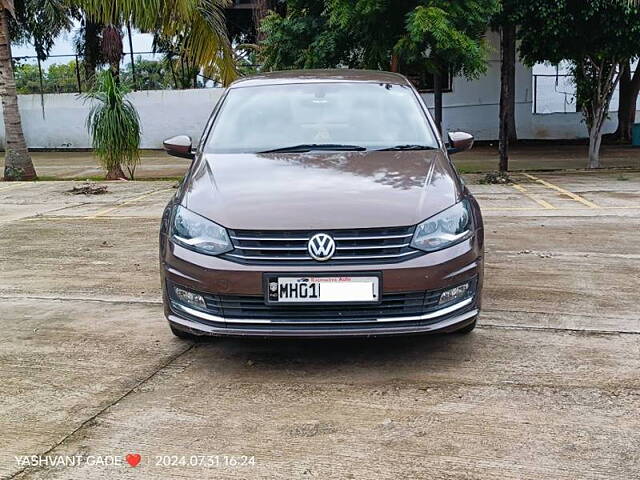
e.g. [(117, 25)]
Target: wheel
[(182, 334), (469, 328)]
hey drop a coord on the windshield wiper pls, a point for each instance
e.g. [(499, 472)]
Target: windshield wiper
[(307, 147), (407, 147)]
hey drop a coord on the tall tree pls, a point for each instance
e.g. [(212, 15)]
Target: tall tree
[(17, 161), (505, 22), (595, 36), (436, 36), (447, 36), (197, 25), (38, 22), (88, 45), (200, 24)]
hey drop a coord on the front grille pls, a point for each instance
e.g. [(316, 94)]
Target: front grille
[(248, 308), (254, 307), (353, 247)]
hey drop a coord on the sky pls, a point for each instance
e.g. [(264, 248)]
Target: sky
[(142, 42)]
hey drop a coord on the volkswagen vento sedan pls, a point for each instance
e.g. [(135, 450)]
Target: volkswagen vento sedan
[(320, 204)]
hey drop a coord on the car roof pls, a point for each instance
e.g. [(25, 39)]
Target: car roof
[(316, 76)]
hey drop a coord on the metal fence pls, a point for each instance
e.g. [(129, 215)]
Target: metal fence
[(139, 70)]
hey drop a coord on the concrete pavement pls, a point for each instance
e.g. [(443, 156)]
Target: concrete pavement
[(548, 386)]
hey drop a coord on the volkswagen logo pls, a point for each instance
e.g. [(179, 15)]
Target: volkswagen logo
[(321, 247)]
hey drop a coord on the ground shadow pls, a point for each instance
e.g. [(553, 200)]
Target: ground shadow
[(291, 357)]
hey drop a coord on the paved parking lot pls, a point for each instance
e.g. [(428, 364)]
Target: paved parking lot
[(548, 386)]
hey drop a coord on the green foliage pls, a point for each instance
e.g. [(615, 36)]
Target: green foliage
[(429, 34), (16, 174), (58, 78), (301, 39), (114, 125), (39, 22), (176, 62), (199, 24), (452, 33), (595, 36), (160, 74), (150, 75), (573, 30), (508, 13)]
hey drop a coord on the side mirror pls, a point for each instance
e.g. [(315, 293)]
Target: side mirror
[(179, 146), (459, 142)]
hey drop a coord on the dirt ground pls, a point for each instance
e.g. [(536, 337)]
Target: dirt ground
[(547, 386)]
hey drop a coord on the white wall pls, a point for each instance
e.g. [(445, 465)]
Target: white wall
[(473, 106), (163, 113)]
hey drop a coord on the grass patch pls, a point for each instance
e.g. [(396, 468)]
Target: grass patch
[(100, 178)]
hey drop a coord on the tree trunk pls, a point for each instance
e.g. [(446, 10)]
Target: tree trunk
[(507, 93), (595, 139), (629, 89), (17, 161), (513, 133), (91, 50), (115, 173), (394, 62), (595, 83), (115, 70), (437, 100)]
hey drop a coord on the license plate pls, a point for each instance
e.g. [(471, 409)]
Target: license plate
[(347, 289)]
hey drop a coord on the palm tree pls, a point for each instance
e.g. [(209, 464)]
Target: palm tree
[(200, 24), (17, 161), (114, 126), (38, 22)]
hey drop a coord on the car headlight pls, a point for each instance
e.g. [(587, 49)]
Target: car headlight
[(198, 233), (447, 228)]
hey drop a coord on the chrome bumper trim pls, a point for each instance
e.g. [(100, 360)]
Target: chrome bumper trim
[(448, 325), (427, 316)]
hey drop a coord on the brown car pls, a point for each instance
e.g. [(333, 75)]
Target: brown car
[(321, 203)]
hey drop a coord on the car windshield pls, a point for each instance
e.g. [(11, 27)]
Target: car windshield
[(328, 116)]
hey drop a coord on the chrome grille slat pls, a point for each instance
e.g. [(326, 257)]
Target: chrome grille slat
[(338, 247), (336, 257), (276, 249), (353, 246), (304, 239), (261, 239)]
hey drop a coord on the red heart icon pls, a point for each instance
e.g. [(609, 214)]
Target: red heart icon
[(133, 459)]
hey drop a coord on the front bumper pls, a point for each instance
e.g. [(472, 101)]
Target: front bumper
[(211, 275), (449, 324)]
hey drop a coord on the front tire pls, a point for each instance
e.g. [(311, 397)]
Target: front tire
[(182, 334), (468, 328)]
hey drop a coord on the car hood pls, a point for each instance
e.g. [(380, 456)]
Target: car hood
[(321, 190)]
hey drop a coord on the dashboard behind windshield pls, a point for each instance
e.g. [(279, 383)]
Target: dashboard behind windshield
[(370, 115)]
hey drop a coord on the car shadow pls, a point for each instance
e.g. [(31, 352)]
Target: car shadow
[(274, 359)]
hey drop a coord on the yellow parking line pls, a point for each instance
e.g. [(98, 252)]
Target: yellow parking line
[(571, 195), (544, 204), (101, 213), (558, 209), (509, 209)]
